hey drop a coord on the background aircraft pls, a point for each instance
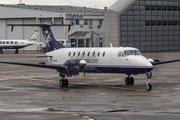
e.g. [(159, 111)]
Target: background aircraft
[(72, 61), (18, 44)]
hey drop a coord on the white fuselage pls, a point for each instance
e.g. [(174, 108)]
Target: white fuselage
[(15, 44), (103, 58)]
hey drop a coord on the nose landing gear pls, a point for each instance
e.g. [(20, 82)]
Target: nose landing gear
[(148, 85)]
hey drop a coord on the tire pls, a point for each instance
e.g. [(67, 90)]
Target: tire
[(149, 87), (66, 83), (127, 81), (44, 49), (131, 81), (61, 82)]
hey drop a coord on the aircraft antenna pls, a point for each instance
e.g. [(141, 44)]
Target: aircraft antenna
[(21, 2), (111, 45)]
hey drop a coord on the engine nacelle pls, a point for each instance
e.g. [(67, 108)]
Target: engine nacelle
[(75, 65)]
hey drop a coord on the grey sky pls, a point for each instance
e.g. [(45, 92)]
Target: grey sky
[(87, 3)]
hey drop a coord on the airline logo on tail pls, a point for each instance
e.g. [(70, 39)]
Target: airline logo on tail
[(48, 38)]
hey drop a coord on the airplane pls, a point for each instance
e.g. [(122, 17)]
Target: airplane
[(72, 61), (18, 44)]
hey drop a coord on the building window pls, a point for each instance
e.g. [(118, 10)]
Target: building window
[(85, 22), (163, 8), (158, 8), (100, 22), (147, 7), (158, 23), (147, 23), (77, 21), (90, 22), (72, 22)]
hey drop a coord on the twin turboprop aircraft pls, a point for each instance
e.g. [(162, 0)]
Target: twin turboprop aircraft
[(72, 61), (18, 44)]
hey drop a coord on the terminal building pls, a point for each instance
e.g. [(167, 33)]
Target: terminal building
[(87, 28), (150, 25)]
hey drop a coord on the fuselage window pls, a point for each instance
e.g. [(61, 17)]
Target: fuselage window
[(7, 42), (94, 54), (119, 54), (129, 52), (123, 54), (69, 54), (0, 42), (83, 55), (74, 54), (11, 42), (88, 54), (103, 54), (78, 54), (15, 42), (98, 54), (3, 42)]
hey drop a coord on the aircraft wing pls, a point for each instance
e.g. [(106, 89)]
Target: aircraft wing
[(42, 65), (158, 62)]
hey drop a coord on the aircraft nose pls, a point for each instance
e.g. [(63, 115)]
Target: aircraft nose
[(148, 64)]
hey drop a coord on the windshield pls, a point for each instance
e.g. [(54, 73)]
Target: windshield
[(62, 42), (132, 52), (137, 52), (129, 52)]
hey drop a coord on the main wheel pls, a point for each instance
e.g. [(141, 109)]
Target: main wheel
[(149, 87), (1, 52), (127, 81), (131, 81), (66, 83), (61, 83)]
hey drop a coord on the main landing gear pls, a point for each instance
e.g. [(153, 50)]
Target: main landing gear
[(63, 82), (1, 51), (130, 80), (16, 52)]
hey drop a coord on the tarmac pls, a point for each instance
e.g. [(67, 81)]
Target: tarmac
[(31, 93)]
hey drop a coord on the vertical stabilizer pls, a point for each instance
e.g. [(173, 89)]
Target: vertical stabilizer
[(50, 41), (33, 37)]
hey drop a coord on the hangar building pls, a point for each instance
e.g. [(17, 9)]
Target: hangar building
[(150, 25), (87, 29)]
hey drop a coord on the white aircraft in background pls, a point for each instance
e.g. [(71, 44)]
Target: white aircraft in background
[(72, 61), (18, 44)]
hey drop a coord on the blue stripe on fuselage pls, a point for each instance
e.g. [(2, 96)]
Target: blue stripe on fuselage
[(125, 70), (12, 47)]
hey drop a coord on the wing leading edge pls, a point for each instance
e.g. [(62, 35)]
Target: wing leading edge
[(158, 62), (42, 65)]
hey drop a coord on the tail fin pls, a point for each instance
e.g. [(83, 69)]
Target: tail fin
[(50, 41), (33, 37)]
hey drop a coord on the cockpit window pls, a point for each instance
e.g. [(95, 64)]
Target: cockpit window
[(137, 52), (129, 52)]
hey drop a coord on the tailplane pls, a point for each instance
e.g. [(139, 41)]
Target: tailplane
[(33, 37)]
